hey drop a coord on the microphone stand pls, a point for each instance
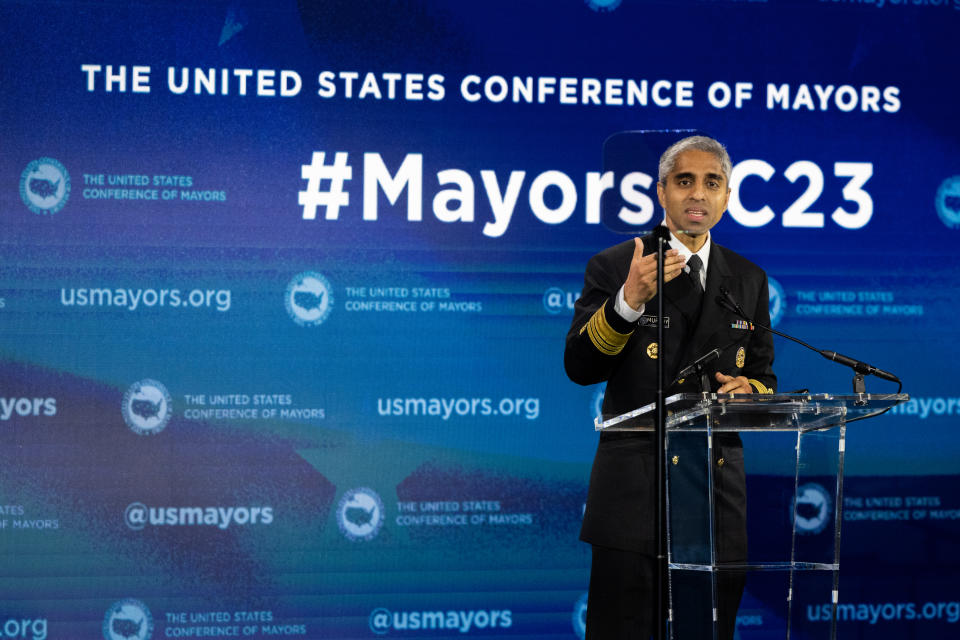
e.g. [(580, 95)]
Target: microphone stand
[(662, 236)]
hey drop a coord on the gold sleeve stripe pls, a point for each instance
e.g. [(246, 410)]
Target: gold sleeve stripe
[(603, 336), (760, 387)]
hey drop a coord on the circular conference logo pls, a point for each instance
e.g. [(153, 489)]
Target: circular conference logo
[(948, 202), (309, 298), (128, 619), (596, 403), (580, 617), (147, 407), (778, 301), (602, 6), (360, 514), (45, 186), (812, 509)]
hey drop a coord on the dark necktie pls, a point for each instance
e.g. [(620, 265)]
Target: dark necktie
[(696, 265)]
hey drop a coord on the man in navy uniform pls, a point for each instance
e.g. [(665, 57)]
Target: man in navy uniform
[(613, 339)]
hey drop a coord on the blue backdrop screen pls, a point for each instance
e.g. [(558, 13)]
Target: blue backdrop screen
[(284, 288)]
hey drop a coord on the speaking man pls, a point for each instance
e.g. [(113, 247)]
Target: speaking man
[(613, 339)]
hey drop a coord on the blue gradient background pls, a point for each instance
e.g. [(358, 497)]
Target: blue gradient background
[(84, 465)]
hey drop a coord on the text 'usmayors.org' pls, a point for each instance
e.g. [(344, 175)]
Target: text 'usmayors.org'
[(446, 408), (138, 299), (887, 612)]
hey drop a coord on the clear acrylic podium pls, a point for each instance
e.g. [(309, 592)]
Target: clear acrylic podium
[(788, 474)]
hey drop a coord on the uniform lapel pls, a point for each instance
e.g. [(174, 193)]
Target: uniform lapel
[(681, 293)]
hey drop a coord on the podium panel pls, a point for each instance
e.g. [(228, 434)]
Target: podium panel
[(782, 547)]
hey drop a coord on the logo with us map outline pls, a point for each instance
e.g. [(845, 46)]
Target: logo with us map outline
[(603, 6), (580, 617), (309, 298), (45, 186), (596, 401), (811, 509), (948, 202), (128, 619), (147, 407), (778, 301), (360, 514)]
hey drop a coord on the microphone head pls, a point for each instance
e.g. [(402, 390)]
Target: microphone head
[(733, 304), (723, 302)]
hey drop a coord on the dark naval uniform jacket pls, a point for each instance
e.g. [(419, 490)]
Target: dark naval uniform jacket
[(602, 346)]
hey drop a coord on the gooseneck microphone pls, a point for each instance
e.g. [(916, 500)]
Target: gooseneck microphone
[(709, 356), (728, 302)]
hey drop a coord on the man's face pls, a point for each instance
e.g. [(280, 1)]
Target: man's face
[(694, 195)]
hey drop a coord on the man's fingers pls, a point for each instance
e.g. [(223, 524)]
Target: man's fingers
[(648, 263), (673, 268), (730, 387), (731, 384), (641, 284)]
